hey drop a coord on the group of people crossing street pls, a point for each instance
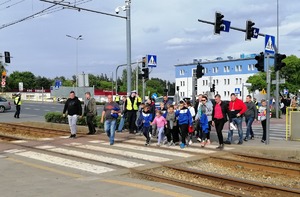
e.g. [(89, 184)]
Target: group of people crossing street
[(173, 124)]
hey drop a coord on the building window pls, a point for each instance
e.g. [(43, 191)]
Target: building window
[(240, 80), (252, 66), (181, 72), (249, 67), (217, 92), (236, 81), (240, 68), (228, 93), (224, 93), (225, 69), (217, 69), (205, 70), (203, 82), (228, 81), (225, 81), (214, 81), (217, 82), (236, 68)]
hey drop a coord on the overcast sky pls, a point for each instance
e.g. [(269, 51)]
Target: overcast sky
[(167, 28)]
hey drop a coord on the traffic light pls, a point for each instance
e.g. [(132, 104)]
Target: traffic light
[(146, 73), (249, 30), (213, 88), (199, 71), (218, 23), (7, 56), (260, 65), (144, 60), (278, 61)]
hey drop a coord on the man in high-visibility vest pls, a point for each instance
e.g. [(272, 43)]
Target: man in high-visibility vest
[(117, 99), (18, 104), (131, 106)]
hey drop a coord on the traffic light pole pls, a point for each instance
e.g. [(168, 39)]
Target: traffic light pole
[(234, 28), (268, 100)]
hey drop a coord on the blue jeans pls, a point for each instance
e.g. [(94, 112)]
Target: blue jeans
[(121, 124), (109, 127), (249, 122), (238, 122)]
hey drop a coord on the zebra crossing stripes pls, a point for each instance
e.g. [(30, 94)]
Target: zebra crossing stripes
[(65, 162), (151, 150), (100, 158), (128, 154), (189, 149)]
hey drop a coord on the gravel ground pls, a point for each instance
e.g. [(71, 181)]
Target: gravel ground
[(238, 170)]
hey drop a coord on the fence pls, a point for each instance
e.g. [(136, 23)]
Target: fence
[(292, 123)]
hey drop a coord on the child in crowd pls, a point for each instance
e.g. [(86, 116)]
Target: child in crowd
[(191, 129), (146, 119), (262, 111), (184, 120), (139, 119), (171, 124), (163, 110), (160, 122)]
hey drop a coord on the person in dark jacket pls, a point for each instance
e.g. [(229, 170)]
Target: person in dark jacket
[(219, 118), (74, 109), (146, 120), (184, 121), (250, 116), (90, 111)]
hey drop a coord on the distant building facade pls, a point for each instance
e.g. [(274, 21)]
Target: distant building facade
[(228, 76)]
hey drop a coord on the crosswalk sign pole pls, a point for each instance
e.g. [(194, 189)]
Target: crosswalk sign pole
[(268, 100)]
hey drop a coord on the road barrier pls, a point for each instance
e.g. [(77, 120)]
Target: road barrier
[(292, 123)]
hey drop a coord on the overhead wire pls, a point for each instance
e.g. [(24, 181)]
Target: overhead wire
[(43, 12), (11, 5)]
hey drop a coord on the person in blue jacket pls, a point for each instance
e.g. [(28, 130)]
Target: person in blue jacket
[(147, 118), (184, 121)]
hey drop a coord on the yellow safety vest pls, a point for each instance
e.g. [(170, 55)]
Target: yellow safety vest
[(129, 104), (117, 98), (16, 101)]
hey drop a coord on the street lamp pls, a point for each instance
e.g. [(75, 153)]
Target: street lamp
[(77, 39), (128, 41)]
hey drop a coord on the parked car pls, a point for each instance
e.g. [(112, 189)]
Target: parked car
[(4, 104), (160, 99)]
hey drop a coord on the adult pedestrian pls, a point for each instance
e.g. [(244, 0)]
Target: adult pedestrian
[(18, 104), (250, 116), (117, 99), (167, 102), (207, 109), (90, 111), (132, 105), (122, 114), (197, 118), (219, 118), (236, 110), (73, 109), (110, 113)]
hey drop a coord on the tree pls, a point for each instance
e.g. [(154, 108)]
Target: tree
[(258, 81), (28, 79), (43, 82)]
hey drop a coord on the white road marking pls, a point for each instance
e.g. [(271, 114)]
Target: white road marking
[(125, 153), (119, 162), (14, 150), (149, 149), (65, 162), (45, 139), (64, 137), (45, 147), (97, 141), (195, 150), (18, 141)]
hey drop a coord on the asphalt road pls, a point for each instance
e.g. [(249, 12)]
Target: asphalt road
[(35, 111)]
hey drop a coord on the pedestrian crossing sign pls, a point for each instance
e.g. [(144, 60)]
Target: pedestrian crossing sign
[(152, 60), (269, 44)]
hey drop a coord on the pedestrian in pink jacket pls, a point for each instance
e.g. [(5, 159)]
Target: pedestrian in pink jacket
[(160, 122)]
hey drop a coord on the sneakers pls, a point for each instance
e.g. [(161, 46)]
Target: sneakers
[(232, 127), (150, 135), (240, 143), (245, 139), (73, 136), (182, 145), (208, 142), (176, 143), (252, 137), (158, 144), (220, 147), (227, 142), (147, 144), (199, 139), (190, 142), (165, 142), (171, 144), (203, 143), (263, 141)]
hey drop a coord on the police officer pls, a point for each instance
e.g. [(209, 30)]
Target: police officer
[(117, 99), (131, 106), (18, 104)]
